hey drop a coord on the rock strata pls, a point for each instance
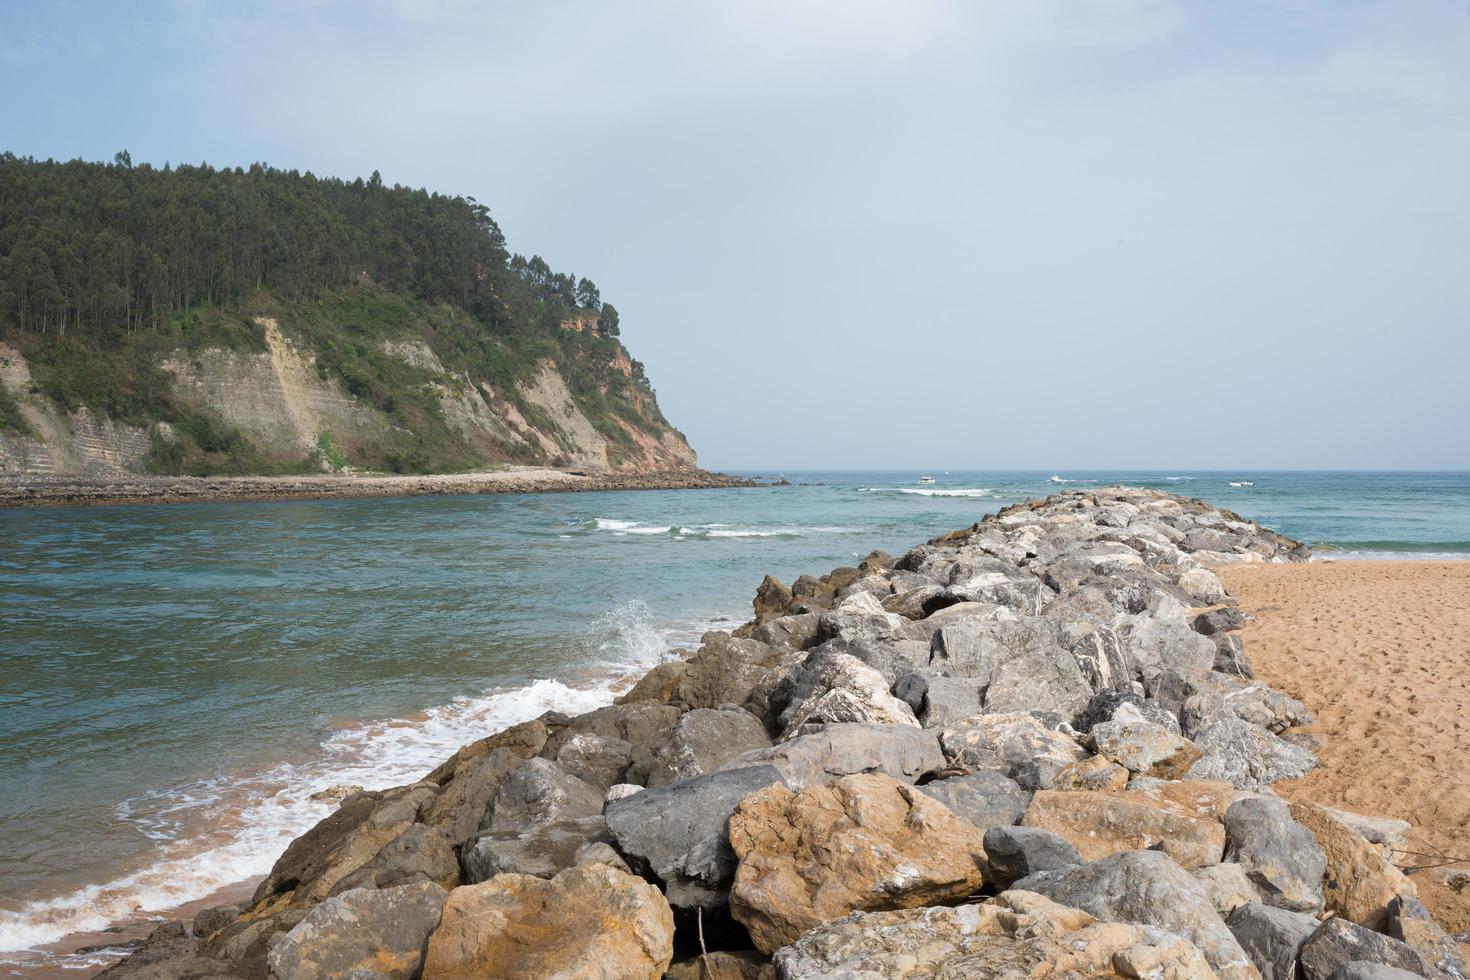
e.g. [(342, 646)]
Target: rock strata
[(1032, 746)]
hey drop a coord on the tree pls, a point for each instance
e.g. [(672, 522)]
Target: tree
[(607, 320)]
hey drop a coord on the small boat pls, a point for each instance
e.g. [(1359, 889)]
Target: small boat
[(1242, 483), (925, 479)]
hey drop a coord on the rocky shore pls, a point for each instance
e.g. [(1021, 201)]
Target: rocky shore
[(1033, 747), (40, 491)]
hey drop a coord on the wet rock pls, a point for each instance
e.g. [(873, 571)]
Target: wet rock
[(1271, 937), (702, 741), (1358, 884), (986, 799), (899, 751), (1247, 756), (1012, 853), (659, 686), (1280, 856), (863, 843), (594, 922), (381, 931), (1014, 743), (1100, 824), (1144, 747), (1017, 934), (1338, 942), (1147, 888), (679, 831)]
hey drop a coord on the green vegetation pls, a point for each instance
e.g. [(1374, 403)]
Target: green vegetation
[(330, 454), (108, 270), (11, 421)]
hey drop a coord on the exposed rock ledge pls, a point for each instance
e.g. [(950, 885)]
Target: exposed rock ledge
[(1032, 747), (33, 491)]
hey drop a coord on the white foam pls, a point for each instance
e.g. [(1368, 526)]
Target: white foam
[(249, 819), (964, 492)]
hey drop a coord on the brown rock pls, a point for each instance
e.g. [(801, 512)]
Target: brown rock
[(1099, 824), (525, 740), (660, 685), (1093, 774), (772, 599), (594, 922), (724, 965), (725, 671), (1359, 883), (866, 842)]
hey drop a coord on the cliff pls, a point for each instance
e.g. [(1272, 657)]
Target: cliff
[(194, 321)]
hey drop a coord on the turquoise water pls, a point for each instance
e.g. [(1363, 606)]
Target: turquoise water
[(175, 681)]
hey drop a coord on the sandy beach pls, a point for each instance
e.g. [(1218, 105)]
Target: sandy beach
[(1380, 650)]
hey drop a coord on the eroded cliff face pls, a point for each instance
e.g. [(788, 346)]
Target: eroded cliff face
[(287, 407)]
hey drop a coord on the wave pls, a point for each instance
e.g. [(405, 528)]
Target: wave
[(1426, 550), (933, 491), (245, 821), (620, 528)]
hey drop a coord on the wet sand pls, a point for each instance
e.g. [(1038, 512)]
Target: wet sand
[(1380, 650), (43, 491)]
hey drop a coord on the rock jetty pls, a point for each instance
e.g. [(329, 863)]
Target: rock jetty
[(1032, 747)]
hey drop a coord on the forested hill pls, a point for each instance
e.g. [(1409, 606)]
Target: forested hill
[(202, 320)]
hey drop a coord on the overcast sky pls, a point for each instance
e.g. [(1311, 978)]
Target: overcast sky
[(1033, 234)]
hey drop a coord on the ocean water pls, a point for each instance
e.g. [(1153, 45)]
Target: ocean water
[(176, 681)]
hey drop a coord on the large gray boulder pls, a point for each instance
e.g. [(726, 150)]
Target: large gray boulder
[(1271, 937), (1022, 663), (899, 751), (541, 792), (631, 723), (1280, 856), (1147, 888), (1338, 942), (701, 742), (680, 832), (831, 687), (541, 850), (986, 799), (1247, 756), (1158, 645), (598, 760), (1012, 853), (363, 932)]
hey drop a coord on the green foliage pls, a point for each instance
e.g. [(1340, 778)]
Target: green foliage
[(12, 422), (330, 454)]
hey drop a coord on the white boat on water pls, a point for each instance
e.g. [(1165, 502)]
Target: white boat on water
[(925, 479)]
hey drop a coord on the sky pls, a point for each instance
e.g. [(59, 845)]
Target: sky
[(849, 234)]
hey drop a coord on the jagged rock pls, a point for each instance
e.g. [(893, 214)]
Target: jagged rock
[(1271, 937), (659, 686), (620, 791), (1280, 856), (864, 843), (1094, 774), (1158, 645), (1012, 853), (1385, 831), (419, 853), (1200, 711), (701, 742), (541, 792), (1272, 710), (1230, 656), (1099, 824), (723, 964), (1338, 942), (1116, 704), (597, 760), (772, 598), (948, 700), (1021, 664), (1142, 746), (593, 922), (829, 687), (1147, 888), (541, 850), (843, 750), (1358, 884), (724, 671), (1363, 970), (1247, 756), (680, 831), (1014, 743), (1219, 620), (798, 632), (631, 723), (1227, 885), (1410, 922), (462, 803), (986, 799), (1017, 934), (525, 740), (378, 930)]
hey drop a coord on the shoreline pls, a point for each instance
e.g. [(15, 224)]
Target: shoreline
[(52, 491)]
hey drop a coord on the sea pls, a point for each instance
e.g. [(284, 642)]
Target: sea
[(177, 681)]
